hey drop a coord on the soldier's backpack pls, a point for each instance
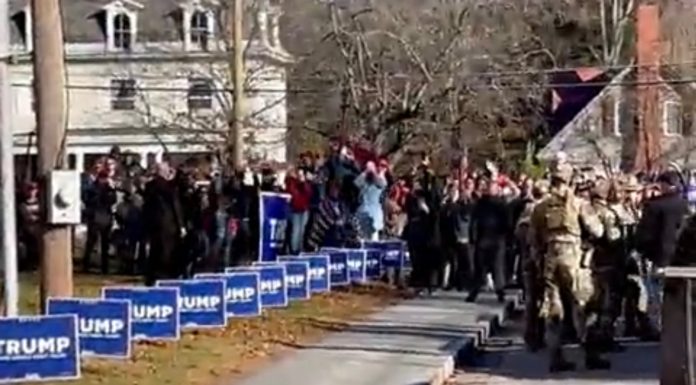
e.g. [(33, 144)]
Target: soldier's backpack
[(562, 215)]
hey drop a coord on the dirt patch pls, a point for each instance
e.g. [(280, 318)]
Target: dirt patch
[(211, 356)]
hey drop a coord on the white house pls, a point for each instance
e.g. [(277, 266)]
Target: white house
[(154, 77)]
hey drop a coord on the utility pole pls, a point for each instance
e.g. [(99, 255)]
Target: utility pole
[(7, 171), (49, 77), (237, 134)]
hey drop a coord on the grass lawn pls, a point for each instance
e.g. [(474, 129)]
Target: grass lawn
[(216, 356)]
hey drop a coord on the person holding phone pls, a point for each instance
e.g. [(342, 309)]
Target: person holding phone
[(371, 184)]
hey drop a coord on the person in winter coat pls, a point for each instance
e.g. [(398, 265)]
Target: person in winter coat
[(422, 232), (456, 235), (100, 219), (491, 225), (371, 185), (300, 190), (332, 226), (165, 226)]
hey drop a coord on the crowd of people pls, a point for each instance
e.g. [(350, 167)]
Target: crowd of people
[(584, 246)]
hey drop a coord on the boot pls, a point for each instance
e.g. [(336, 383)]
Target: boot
[(648, 332), (595, 362), (501, 296), (616, 347), (559, 365)]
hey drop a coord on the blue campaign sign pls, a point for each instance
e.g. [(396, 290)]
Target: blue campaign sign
[(338, 267), (39, 348), (373, 263), (154, 310), (273, 218), (393, 252), (201, 302), (104, 325), (242, 294), (274, 291), (297, 278), (357, 265), (319, 277)]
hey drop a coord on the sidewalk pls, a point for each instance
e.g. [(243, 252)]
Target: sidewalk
[(415, 342)]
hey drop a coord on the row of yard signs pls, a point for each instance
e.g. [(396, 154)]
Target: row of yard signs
[(49, 347)]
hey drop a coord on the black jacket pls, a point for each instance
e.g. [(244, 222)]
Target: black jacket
[(162, 208), (491, 219), (659, 227)]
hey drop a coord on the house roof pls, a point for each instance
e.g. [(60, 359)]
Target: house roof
[(569, 140), (567, 102), (561, 140), (157, 19)]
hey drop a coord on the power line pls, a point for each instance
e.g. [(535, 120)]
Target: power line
[(320, 77), (482, 85)]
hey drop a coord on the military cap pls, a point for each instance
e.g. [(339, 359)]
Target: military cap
[(601, 189), (563, 172), (631, 184), (541, 185)]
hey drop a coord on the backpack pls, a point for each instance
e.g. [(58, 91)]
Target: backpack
[(562, 216)]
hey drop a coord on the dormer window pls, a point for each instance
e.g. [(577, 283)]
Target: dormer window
[(23, 22), (200, 29), (121, 18), (198, 24), (123, 32)]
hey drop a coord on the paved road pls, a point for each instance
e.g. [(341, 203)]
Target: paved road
[(505, 361)]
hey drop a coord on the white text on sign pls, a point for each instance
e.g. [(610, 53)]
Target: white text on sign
[(242, 294), (141, 312), (100, 327), (17, 349), (199, 302)]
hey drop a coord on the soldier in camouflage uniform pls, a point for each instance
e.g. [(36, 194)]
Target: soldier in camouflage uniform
[(534, 325), (556, 229), (608, 263)]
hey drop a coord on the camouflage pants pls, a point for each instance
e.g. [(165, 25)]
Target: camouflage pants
[(562, 273), (607, 301), (533, 294)]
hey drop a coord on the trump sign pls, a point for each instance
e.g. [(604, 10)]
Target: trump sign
[(104, 325)]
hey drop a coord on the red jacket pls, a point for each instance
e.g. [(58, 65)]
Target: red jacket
[(300, 194)]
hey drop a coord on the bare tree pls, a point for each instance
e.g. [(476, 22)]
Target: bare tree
[(199, 110)]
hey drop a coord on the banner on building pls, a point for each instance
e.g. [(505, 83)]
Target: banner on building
[(39, 348), (272, 284), (357, 265), (104, 325), (242, 294), (373, 263), (319, 277), (296, 278), (273, 219), (154, 311), (338, 267), (201, 302)]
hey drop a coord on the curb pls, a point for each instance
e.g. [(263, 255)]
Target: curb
[(464, 350)]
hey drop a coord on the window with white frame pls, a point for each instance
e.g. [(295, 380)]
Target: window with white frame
[(33, 95), (592, 122), (672, 118), (619, 122), (199, 29), (123, 32), (200, 93), (123, 94)]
